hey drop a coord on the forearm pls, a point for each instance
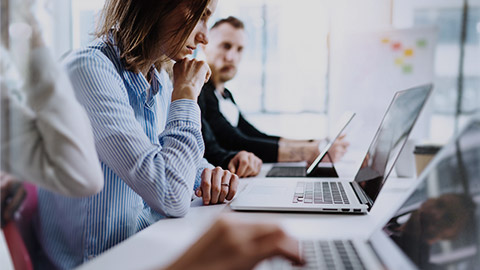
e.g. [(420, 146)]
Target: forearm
[(297, 151), (165, 177), (28, 158), (291, 153), (52, 139), (293, 141)]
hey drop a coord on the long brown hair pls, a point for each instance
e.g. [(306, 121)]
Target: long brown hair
[(135, 24)]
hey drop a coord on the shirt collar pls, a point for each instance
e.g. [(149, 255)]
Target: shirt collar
[(211, 86), (136, 81)]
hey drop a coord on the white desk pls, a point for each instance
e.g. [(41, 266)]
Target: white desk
[(165, 240)]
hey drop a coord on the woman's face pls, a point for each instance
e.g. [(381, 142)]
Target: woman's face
[(198, 35)]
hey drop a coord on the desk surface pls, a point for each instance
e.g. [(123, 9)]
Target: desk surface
[(167, 239)]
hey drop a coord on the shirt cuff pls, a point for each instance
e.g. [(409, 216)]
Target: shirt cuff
[(203, 165), (184, 110)]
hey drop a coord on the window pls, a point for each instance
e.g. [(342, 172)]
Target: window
[(84, 17), (284, 68), (283, 84), (447, 16), (448, 20)]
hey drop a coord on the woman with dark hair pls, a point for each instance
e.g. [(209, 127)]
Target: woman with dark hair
[(147, 130)]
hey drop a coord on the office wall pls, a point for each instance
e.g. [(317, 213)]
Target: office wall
[(352, 79)]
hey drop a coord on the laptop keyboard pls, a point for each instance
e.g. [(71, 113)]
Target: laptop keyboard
[(325, 255), (279, 171), (320, 193), (331, 255)]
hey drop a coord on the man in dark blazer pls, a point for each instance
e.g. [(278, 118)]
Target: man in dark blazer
[(225, 129)]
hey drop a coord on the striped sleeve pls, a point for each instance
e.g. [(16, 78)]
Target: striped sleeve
[(203, 165), (163, 175)]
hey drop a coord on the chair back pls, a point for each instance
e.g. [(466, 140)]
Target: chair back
[(19, 234), (18, 251)]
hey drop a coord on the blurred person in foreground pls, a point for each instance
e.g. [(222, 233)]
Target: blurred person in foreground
[(232, 244), (46, 135)]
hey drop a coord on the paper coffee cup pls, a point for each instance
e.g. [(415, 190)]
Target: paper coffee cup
[(423, 155)]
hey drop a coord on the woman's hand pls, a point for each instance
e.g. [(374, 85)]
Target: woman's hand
[(217, 186), (189, 76)]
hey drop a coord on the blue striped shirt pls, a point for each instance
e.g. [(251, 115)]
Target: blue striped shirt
[(150, 150)]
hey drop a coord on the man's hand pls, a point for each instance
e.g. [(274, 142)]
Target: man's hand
[(245, 164), (234, 245), (217, 186), (338, 150)]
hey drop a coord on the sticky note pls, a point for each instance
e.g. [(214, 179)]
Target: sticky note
[(407, 69), (408, 52), (399, 61), (422, 43), (396, 46)]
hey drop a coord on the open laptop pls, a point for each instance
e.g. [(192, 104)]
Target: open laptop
[(343, 195), (437, 227), (314, 170)]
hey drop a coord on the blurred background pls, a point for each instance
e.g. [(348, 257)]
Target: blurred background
[(307, 61)]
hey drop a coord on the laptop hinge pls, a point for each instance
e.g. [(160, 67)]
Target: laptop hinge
[(319, 171), (361, 195)]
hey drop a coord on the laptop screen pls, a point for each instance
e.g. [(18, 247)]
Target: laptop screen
[(438, 226), (344, 121), (390, 138)]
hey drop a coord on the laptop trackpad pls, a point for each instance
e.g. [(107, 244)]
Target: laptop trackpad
[(267, 190)]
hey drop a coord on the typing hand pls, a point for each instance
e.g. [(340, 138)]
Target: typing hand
[(245, 164), (217, 186), (232, 244)]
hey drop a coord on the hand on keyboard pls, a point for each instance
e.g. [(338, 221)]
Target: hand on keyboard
[(232, 244)]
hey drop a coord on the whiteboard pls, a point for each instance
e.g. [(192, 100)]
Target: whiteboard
[(367, 68)]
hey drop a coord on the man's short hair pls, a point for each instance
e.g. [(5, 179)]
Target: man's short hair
[(233, 21)]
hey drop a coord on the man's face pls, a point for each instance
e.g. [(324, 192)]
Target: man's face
[(224, 51)]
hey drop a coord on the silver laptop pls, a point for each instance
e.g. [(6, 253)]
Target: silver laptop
[(314, 170), (437, 227), (343, 195)]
